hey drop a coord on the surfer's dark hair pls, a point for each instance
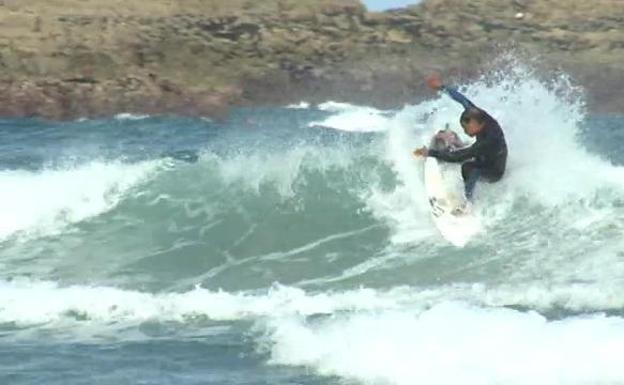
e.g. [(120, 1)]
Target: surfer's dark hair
[(472, 113)]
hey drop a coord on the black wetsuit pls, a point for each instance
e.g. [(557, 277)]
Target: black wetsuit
[(486, 157)]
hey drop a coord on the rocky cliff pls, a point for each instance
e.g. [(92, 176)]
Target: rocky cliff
[(63, 59)]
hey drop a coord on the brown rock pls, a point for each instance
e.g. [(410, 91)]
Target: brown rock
[(63, 59)]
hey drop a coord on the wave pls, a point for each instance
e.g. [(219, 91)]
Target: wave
[(27, 302), (549, 166), (333, 208), (451, 343), (279, 170), (319, 207), (46, 202), (399, 336), (329, 202), (541, 122)]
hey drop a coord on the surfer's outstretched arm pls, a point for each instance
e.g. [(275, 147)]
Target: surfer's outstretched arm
[(458, 97)]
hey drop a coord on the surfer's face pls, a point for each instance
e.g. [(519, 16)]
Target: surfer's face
[(472, 127)]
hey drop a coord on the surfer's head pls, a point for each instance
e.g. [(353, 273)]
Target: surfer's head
[(472, 121)]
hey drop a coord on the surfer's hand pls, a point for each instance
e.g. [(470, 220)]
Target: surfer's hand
[(433, 81), (421, 152)]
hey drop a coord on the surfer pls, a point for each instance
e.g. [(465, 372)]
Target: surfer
[(487, 156)]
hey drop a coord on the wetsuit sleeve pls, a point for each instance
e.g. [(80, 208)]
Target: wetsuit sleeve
[(456, 156), (458, 97)]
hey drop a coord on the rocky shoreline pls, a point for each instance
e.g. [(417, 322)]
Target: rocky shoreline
[(64, 59)]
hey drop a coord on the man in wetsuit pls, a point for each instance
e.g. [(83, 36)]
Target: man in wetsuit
[(487, 156)]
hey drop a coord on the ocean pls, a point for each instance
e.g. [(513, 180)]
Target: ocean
[(294, 245)]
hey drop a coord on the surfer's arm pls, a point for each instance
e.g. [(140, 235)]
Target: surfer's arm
[(459, 155), (458, 97)]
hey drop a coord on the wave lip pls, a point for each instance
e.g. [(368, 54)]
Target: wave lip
[(46, 202)]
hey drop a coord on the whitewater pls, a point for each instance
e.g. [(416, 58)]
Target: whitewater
[(293, 244)]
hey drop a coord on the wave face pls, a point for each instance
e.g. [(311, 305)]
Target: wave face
[(300, 238)]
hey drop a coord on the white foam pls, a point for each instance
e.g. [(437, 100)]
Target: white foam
[(348, 117), (404, 207), (547, 165), (129, 116), (454, 343), (28, 302), (400, 336), (299, 106), (45, 202)]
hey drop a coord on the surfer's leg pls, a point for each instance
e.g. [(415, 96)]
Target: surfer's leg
[(470, 174)]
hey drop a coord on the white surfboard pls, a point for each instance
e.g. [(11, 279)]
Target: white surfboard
[(444, 197)]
